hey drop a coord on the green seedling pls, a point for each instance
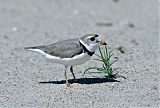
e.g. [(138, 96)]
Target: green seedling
[(106, 69)]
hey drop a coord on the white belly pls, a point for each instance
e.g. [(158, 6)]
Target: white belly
[(76, 60)]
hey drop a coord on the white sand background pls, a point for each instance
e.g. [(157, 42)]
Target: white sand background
[(37, 22)]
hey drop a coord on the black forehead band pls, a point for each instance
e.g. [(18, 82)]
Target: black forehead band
[(96, 35)]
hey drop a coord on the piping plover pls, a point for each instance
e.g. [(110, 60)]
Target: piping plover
[(70, 52)]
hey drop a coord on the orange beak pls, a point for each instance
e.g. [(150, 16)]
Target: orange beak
[(102, 42)]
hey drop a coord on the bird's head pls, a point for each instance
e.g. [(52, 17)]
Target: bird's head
[(92, 41)]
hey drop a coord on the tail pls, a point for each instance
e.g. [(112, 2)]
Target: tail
[(26, 48), (35, 49)]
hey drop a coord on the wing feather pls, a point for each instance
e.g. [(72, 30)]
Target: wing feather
[(62, 49)]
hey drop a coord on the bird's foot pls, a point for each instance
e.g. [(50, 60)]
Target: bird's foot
[(68, 84)]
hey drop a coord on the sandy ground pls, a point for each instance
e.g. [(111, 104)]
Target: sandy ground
[(131, 24)]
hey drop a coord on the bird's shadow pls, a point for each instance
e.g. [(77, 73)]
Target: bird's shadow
[(82, 81)]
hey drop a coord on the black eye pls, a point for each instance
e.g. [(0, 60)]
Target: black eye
[(92, 38)]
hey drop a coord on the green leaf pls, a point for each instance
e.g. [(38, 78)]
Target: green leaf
[(115, 69), (113, 62), (93, 72), (106, 69), (101, 53), (89, 69), (100, 69), (98, 60), (98, 56)]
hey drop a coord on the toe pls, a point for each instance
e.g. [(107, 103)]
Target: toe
[(68, 84)]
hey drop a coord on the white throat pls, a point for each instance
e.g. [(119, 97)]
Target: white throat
[(90, 47)]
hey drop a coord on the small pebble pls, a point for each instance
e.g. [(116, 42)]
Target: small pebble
[(116, 1), (153, 87), (109, 24), (121, 49), (131, 25), (76, 12), (126, 23), (14, 29), (5, 37), (134, 42)]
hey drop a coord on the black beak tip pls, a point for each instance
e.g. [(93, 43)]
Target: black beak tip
[(104, 43)]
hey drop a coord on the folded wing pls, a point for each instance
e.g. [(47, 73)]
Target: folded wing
[(62, 49)]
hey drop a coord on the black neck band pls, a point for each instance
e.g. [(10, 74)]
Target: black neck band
[(85, 49)]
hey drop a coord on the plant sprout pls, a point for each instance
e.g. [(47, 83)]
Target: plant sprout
[(106, 69)]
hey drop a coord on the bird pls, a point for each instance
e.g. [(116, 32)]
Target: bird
[(70, 52)]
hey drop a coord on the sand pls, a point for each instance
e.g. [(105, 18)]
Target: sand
[(28, 81)]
